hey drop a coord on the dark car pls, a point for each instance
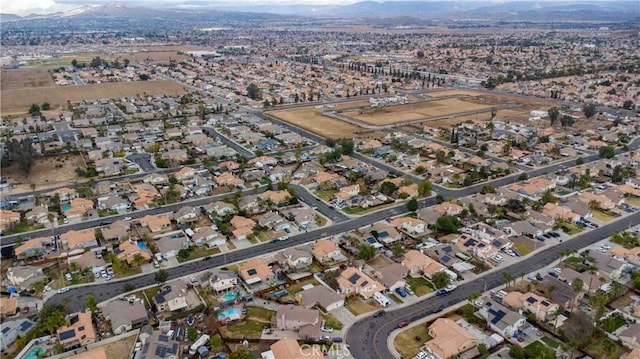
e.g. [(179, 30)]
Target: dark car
[(379, 313), (403, 324), (441, 292), (336, 340), (553, 274)]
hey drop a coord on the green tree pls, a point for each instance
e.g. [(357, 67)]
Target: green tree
[(139, 259), (589, 110), (388, 188), (440, 279), (598, 303), (23, 153), (241, 353), (347, 147), (215, 341), (366, 252), (507, 278), (253, 91), (579, 161), (45, 106), (425, 187), (161, 276), (607, 152), (92, 305), (554, 114), (447, 224), (412, 205), (34, 110), (516, 352), (482, 349), (192, 334)]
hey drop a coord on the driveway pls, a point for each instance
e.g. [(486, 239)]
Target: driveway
[(143, 160)]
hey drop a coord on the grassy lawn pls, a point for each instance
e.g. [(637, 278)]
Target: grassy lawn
[(253, 240), (199, 252), (326, 195), (536, 347), (598, 349), (320, 221), (245, 330), (395, 298), (409, 341), (297, 287), (467, 311), (602, 216), (360, 210), (316, 268), (21, 228), (106, 212), (550, 342), (80, 279), (612, 323), (419, 285), (125, 271), (357, 306), (148, 294), (260, 313), (331, 321), (231, 267), (522, 248), (231, 246), (262, 237), (572, 229), (633, 201)]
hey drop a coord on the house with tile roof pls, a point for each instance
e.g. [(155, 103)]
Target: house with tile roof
[(77, 332), (540, 306), (418, 263), (353, 281), (255, 270), (449, 339)]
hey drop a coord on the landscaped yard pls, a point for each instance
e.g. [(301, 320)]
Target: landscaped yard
[(331, 321), (602, 216), (419, 285), (605, 348), (522, 248), (360, 210), (357, 306), (245, 330), (261, 314), (633, 201), (326, 194), (409, 341), (121, 271), (394, 298), (297, 287), (320, 221), (198, 252), (612, 323), (550, 342)]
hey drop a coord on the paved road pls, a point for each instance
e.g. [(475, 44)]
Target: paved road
[(210, 131), (367, 338), (65, 134), (143, 160), (305, 196)]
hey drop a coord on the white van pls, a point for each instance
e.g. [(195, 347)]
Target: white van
[(381, 299)]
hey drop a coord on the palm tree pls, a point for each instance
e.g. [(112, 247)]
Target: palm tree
[(139, 259), (594, 205), (578, 286), (506, 278), (473, 296), (598, 302), (551, 289), (557, 315)]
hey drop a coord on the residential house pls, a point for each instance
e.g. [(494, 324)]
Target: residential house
[(34, 247), (326, 251), (591, 282), (296, 259), (185, 173), (560, 212), (290, 349), (171, 244), (263, 161), (448, 208), (154, 343), (275, 197), (249, 203), (608, 266), (144, 195), (65, 194), (125, 316), (274, 221), (186, 215), (563, 293), (292, 317), (24, 276), (501, 319), (392, 276), (208, 236), (116, 231), (386, 234), (586, 197), (242, 227), (529, 302), (156, 179), (172, 297), (77, 332), (410, 225), (114, 203), (156, 223), (129, 251), (89, 260), (322, 296), (220, 209), (223, 280), (630, 336), (353, 281), (38, 215), (418, 263), (228, 179), (11, 330), (79, 207), (109, 166), (8, 307), (74, 241), (449, 339), (255, 270)]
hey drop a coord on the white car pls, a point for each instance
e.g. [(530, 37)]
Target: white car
[(63, 290), (557, 270), (421, 355), (450, 287), (127, 218), (605, 246)]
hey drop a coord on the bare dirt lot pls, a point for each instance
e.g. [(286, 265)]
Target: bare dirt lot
[(45, 172), (19, 100), (417, 111), (160, 54), (25, 78), (310, 119)]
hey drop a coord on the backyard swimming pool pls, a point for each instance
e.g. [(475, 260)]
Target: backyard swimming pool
[(229, 296), (34, 353), (66, 207), (231, 314), (142, 245)]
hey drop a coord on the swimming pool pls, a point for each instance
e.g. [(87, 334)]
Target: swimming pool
[(34, 353), (231, 314), (229, 296), (66, 207), (142, 245)]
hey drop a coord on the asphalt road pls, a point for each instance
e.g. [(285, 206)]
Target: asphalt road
[(367, 338), (65, 134), (143, 160), (210, 131), (331, 213)]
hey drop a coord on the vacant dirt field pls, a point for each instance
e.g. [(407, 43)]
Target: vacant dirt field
[(44, 172), (17, 101), (453, 92), (416, 111), (21, 78), (311, 120)]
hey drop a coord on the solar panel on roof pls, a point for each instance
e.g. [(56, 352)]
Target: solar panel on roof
[(383, 234), (5, 330), (252, 272), (364, 283), (81, 328), (354, 278), (174, 348), (67, 335), (545, 303), (371, 240), (25, 326), (497, 244), (498, 317), (161, 352), (447, 249), (531, 300), (73, 320), (481, 245), (446, 259), (470, 243), (163, 338)]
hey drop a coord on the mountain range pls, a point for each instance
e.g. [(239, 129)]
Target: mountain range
[(616, 11)]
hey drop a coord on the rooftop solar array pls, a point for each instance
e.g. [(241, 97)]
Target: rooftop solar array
[(252, 271), (446, 259), (383, 234), (364, 283), (354, 278), (531, 300), (447, 249), (497, 315), (67, 334)]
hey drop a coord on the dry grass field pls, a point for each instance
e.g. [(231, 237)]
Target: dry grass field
[(12, 79), (453, 92), (44, 172), (309, 119), (19, 100), (417, 111)]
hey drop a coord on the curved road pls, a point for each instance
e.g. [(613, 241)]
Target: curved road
[(367, 338)]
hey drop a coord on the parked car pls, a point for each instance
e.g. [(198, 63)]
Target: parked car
[(403, 324), (63, 290), (408, 290), (379, 313), (401, 292), (441, 292), (450, 287)]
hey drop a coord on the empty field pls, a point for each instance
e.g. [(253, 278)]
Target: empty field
[(19, 100), (22, 78), (65, 61), (417, 111), (452, 92), (309, 119), (46, 172)]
